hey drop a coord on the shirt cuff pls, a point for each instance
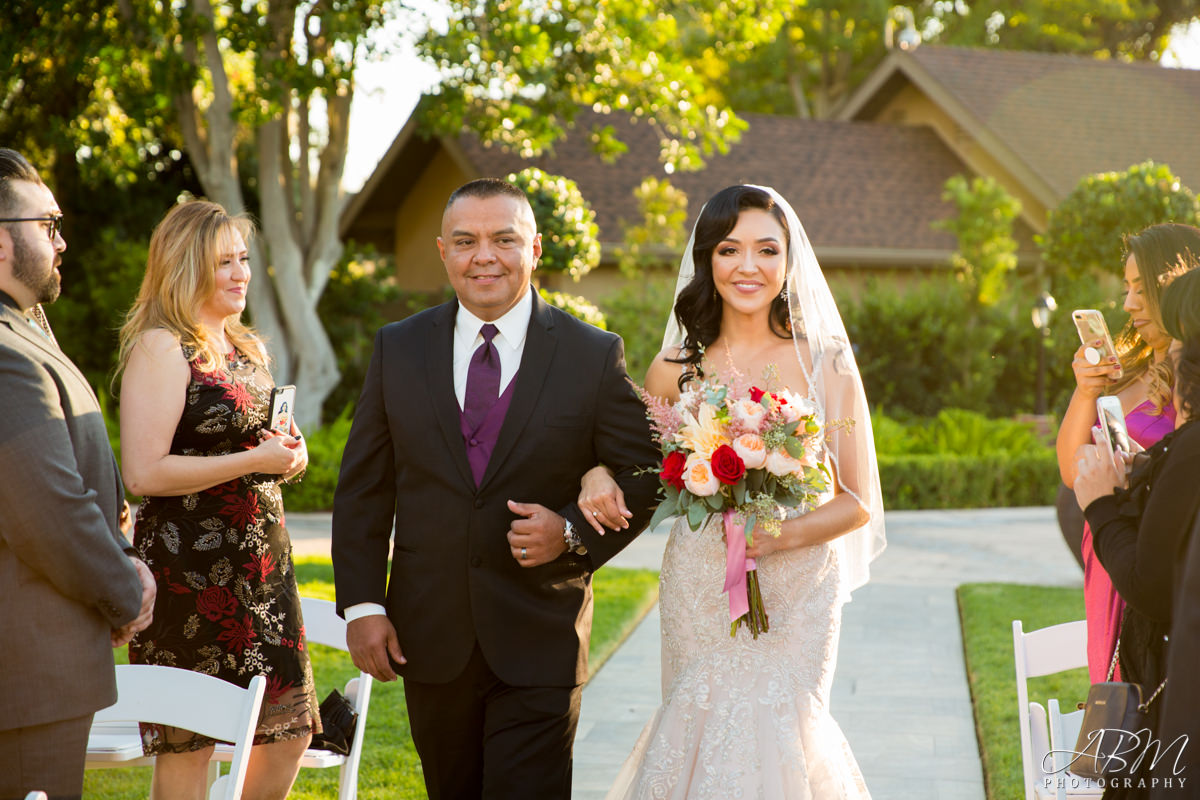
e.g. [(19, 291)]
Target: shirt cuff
[(363, 610)]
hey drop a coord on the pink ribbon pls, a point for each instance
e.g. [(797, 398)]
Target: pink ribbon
[(736, 565)]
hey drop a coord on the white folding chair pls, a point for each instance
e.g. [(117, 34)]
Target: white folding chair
[(184, 699), (1044, 652), (1064, 732), (322, 625)]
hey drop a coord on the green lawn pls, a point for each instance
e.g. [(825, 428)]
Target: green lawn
[(390, 769), (987, 611)]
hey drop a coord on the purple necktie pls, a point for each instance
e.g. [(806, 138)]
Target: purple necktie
[(483, 380)]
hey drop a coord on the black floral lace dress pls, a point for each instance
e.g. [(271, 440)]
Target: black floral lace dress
[(227, 600)]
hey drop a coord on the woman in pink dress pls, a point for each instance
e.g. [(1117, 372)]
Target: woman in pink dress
[(1145, 391)]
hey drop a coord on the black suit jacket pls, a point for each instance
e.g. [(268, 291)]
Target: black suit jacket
[(453, 579)]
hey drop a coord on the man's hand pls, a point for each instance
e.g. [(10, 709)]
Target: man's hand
[(122, 635), (538, 538), (371, 640)]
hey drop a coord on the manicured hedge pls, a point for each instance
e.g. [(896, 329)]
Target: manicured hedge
[(995, 480)]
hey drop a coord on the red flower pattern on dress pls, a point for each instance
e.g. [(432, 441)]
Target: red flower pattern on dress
[(276, 688), (259, 567), (216, 602), (242, 510), (238, 635), (239, 393)]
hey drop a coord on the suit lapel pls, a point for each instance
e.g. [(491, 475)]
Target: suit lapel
[(23, 329), (439, 369), (540, 342)]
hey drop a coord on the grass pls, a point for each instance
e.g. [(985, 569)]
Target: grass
[(390, 769), (987, 611)]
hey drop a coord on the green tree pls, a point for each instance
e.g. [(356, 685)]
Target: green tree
[(987, 251), (564, 219), (1085, 232), (660, 235), (517, 74)]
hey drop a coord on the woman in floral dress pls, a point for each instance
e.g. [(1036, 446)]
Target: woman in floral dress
[(195, 397)]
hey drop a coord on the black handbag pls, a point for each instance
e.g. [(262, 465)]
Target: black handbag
[(1113, 715), (338, 721)]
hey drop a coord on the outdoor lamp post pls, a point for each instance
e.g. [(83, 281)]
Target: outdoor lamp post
[(1042, 306)]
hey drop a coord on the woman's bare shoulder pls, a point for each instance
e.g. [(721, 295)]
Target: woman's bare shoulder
[(662, 378), (159, 346)]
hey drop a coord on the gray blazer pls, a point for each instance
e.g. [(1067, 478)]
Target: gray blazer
[(65, 579)]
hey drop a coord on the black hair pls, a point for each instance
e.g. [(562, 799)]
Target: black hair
[(487, 187), (1181, 319), (698, 307), (13, 167)]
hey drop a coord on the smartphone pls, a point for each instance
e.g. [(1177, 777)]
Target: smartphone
[(1112, 426), (1090, 325), (283, 406)]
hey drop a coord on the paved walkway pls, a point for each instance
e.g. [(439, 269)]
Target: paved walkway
[(900, 693)]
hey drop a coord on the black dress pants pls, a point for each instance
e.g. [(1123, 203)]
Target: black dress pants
[(479, 737), (46, 757)]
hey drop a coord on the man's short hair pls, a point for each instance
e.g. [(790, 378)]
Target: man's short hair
[(13, 167), (487, 187)]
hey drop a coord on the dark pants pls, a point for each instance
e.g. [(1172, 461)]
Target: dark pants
[(47, 757), (478, 737)]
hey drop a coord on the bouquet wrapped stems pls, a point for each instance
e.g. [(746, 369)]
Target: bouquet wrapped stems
[(756, 618)]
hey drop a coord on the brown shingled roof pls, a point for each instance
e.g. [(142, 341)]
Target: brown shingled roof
[(1068, 116), (853, 184)]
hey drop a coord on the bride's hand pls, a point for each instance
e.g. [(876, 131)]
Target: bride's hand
[(763, 544), (602, 501)]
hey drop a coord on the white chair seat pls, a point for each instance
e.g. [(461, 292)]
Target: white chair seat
[(1064, 732)]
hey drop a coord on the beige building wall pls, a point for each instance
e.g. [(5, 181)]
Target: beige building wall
[(419, 223)]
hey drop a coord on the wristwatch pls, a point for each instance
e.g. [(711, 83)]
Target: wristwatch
[(571, 538)]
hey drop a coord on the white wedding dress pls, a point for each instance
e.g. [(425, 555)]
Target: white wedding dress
[(745, 718)]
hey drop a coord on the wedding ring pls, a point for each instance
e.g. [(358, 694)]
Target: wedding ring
[(523, 552), (595, 513)]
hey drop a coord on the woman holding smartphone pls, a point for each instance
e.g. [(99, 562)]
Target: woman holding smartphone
[(1141, 535), (196, 444), (1145, 389)]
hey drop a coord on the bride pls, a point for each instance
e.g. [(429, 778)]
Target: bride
[(743, 716)]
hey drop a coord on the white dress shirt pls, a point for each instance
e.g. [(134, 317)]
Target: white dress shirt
[(510, 344)]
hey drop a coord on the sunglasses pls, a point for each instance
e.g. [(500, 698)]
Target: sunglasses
[(55, 223)]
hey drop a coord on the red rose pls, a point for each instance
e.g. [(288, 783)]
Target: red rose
[(672, 468), (216, 602), (727, 465), (756, 394)]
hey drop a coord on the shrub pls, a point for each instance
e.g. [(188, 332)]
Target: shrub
[(953, 481), (565, 220), (314, 492), (351, 310), (576, 306), (638, 313)]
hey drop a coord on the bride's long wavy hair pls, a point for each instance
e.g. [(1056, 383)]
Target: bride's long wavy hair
[(699, 307)]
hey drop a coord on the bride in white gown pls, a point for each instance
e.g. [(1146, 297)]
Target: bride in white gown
[(744, 717)]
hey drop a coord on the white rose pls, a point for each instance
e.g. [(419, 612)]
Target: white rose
[(796, 406), (698, 476)]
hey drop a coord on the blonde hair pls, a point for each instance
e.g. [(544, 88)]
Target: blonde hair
[(185, 250)]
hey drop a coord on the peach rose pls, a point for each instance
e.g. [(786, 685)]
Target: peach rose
[(748, 414), (780, 463), (752, 449), (698, 477)]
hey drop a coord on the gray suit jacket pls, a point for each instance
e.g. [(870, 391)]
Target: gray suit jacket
[(65, 579)]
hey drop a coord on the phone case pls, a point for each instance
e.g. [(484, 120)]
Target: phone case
[(283, 407), (1112, 423), (1090, 325)]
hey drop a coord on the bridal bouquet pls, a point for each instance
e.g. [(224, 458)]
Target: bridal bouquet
[(743, 454)]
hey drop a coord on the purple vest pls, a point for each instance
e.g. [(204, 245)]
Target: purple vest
[(481, 442)]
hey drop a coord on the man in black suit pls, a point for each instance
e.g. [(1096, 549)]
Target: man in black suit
[(476, 422)]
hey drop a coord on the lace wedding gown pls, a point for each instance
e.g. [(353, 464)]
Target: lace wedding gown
[(745, 718)]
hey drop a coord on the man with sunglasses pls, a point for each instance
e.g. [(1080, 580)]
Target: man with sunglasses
[(72, 586)]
